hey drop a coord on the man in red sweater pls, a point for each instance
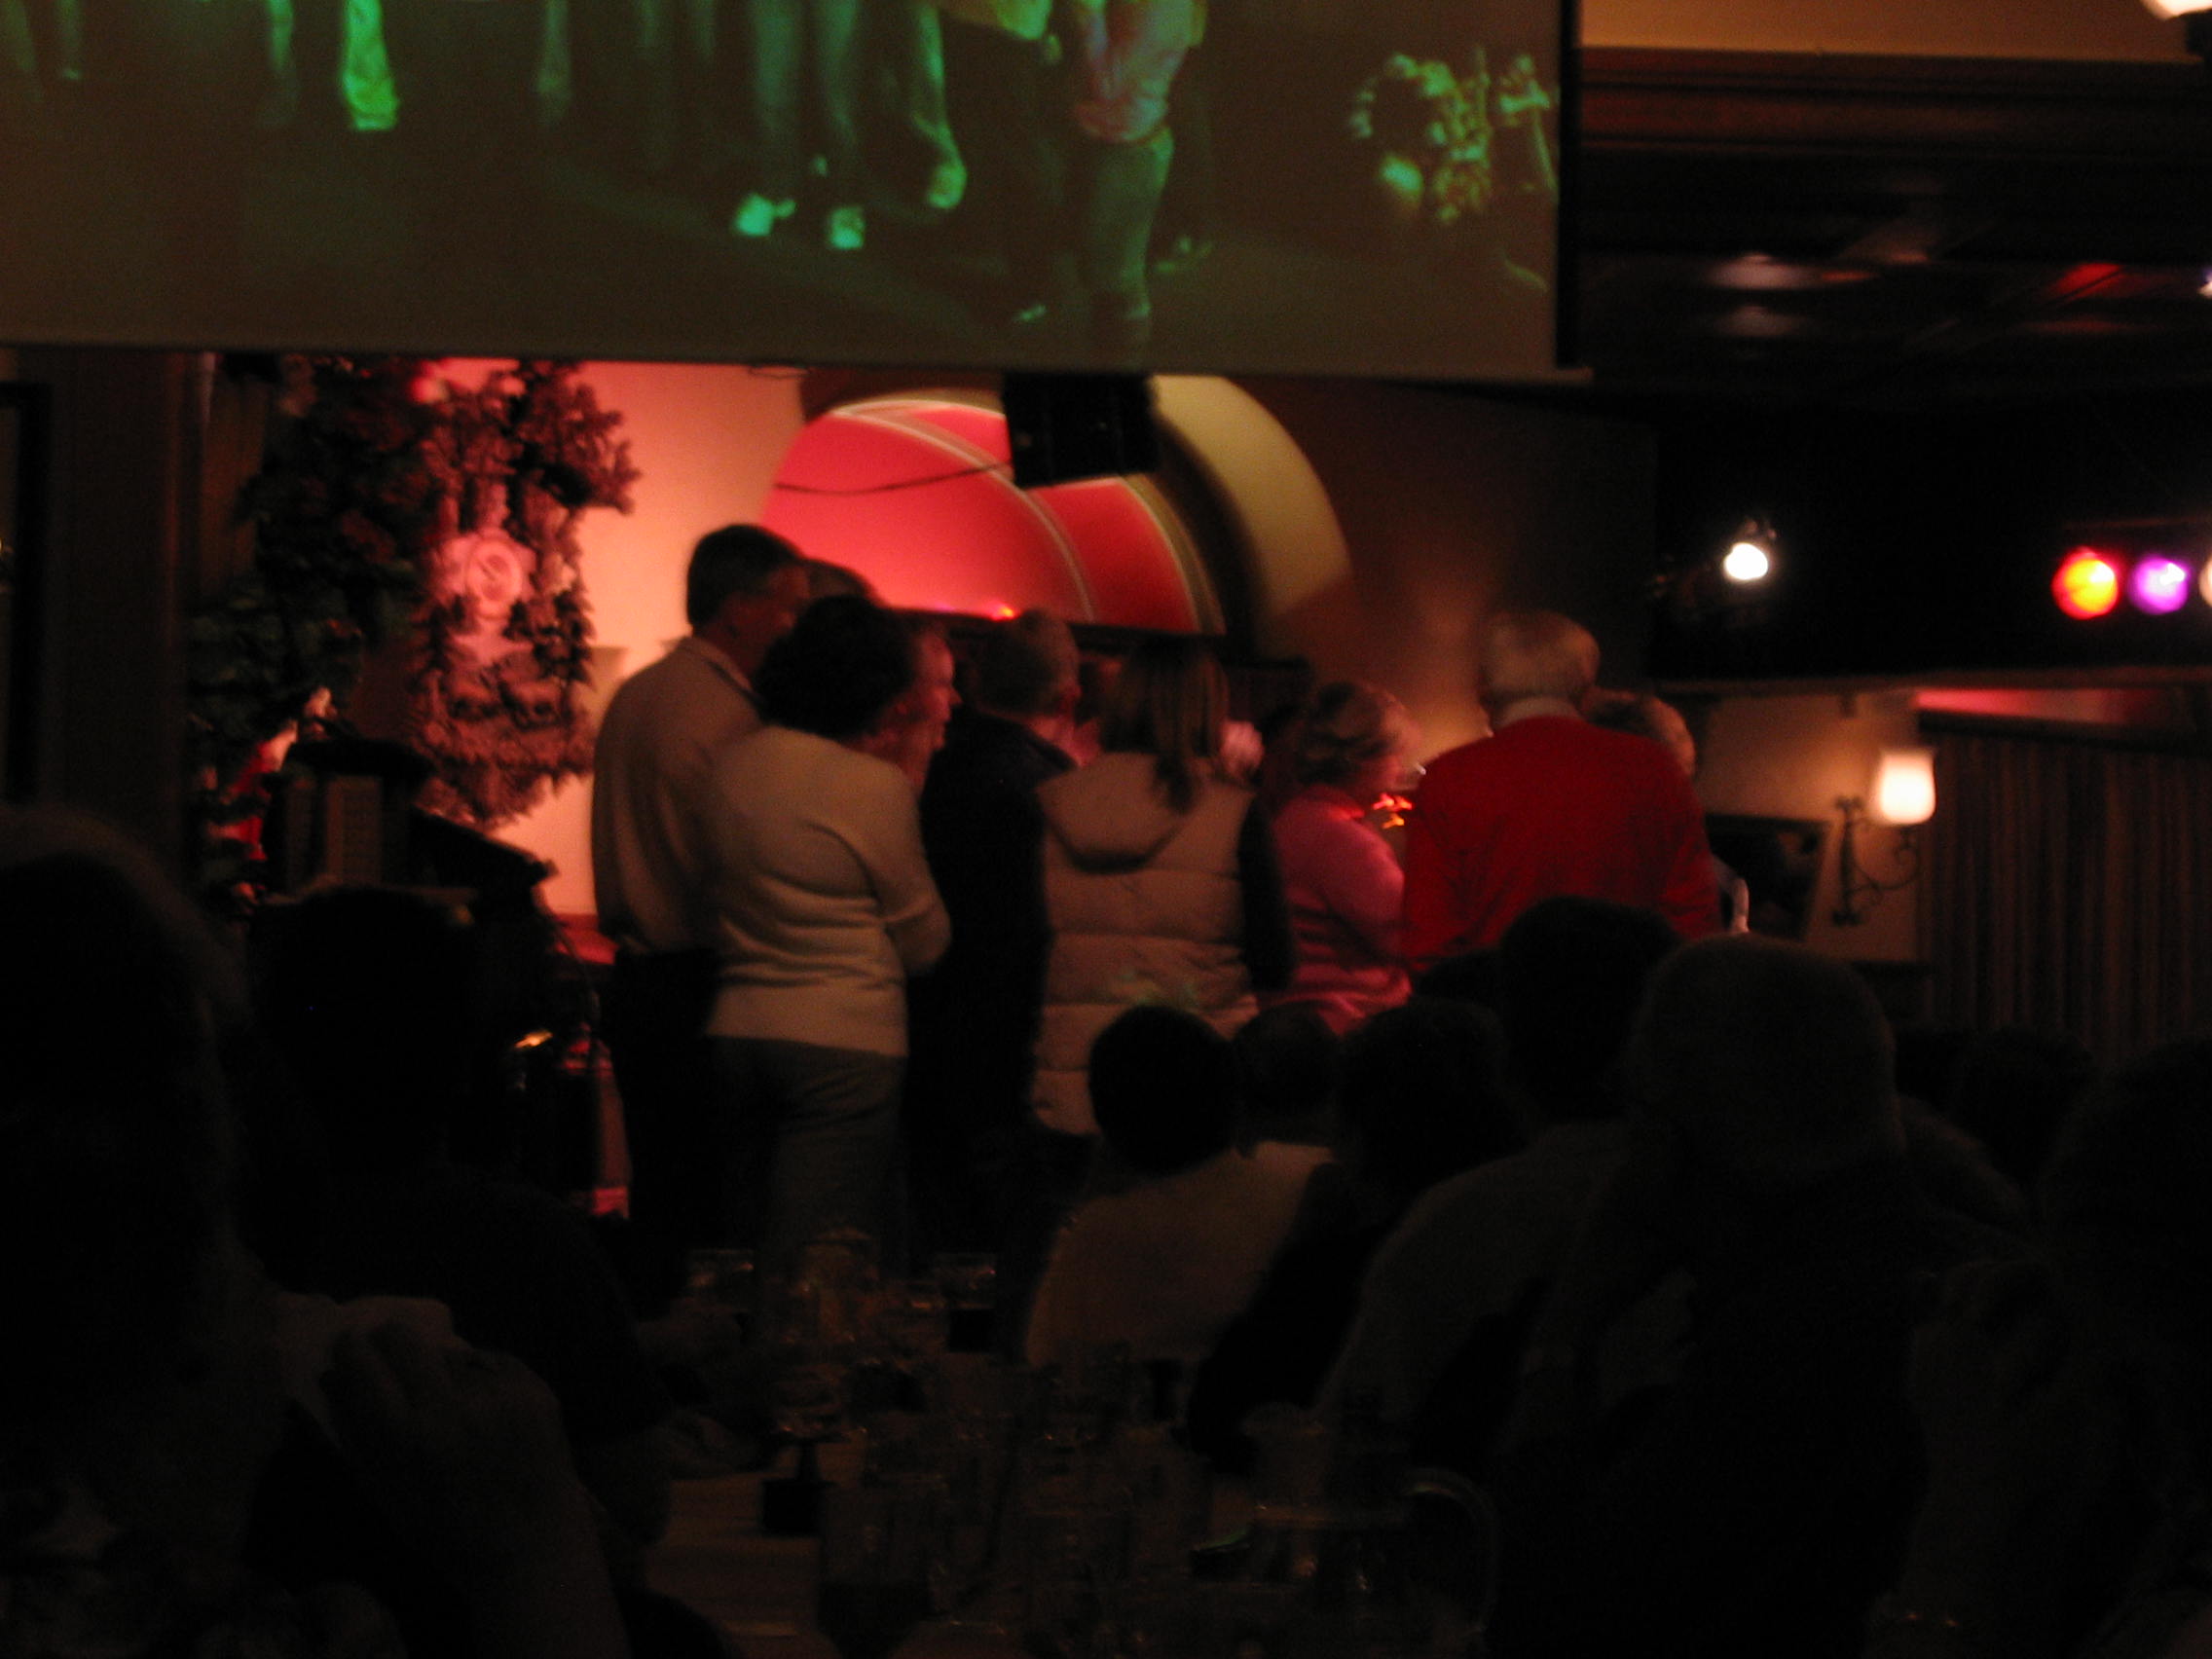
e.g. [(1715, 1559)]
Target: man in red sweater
[(1548, 805)]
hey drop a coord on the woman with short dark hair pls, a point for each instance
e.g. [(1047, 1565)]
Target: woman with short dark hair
[(824, 906)]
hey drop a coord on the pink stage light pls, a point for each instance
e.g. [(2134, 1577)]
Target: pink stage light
[(2159, 584)]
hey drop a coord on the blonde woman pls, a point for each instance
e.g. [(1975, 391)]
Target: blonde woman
[(1160, 877)]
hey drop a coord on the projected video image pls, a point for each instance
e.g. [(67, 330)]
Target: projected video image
[(1313, 186)]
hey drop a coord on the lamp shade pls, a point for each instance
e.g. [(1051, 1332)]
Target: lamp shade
[(1904, 786), (2176, 8)]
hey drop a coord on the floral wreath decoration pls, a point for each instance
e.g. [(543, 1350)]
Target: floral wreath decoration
[(377, 468)]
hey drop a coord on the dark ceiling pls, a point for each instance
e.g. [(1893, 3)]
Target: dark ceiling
[(1890, 232)]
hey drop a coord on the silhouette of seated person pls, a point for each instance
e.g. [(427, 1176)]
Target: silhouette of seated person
[(179, 1437), (1423, 1097), (1180, 1226), (1448, 1297), (1288, 1061), (2011, 1089), (1756, 1500), (367, 993), (2063, 1401)]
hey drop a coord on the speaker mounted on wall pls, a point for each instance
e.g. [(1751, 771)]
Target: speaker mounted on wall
[(1065, 426)]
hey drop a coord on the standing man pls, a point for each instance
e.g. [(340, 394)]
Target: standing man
[(657, 744), (972, 1022), (1548, 805)]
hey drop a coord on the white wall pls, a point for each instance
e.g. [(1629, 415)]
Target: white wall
[(706, 440)]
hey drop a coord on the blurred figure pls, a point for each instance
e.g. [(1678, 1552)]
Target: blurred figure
[(1125, 55), (162, 1397), (2062, 1401), (917, 53), (1423, 1098), (1549, 804), (789, 38), (367, 994), (1290, 1061), (2011, 1089), (1342, 881), (1164, 1261), (1448, 1301), (823, 907), (1766, 1169), (824, 578), (1162, 881), (1642, 715), (912, 731), (651, 805), (972, 1020)]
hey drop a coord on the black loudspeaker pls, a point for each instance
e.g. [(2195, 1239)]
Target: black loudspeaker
[(1064, 427)]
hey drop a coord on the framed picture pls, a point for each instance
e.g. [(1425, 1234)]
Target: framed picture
[(22, 525), (1780, 861)]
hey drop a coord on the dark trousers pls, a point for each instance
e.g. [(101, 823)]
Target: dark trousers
[(654, 1018), (783, 31), (806, 1136)]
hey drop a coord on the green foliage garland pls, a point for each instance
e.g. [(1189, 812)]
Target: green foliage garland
[(374, 466)]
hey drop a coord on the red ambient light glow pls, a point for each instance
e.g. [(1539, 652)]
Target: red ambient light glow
[(2087, 585)]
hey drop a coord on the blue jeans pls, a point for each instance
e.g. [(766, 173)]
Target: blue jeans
[(807, 1135)]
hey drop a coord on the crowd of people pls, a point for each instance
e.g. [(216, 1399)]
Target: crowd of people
[(771, 109), (1522, 1155), (1068, 146)]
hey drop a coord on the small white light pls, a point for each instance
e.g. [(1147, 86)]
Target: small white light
[(2177, 8), (1904, 786), (1746, 562)]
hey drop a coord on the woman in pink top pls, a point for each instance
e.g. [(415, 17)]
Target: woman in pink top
[(1342, 880)]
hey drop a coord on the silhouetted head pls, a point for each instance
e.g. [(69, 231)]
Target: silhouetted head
[(1642, 715), (2127, 1210), (1027, 666), (1773, 1064), (2011, 1089), (366, 992), (1571, 974), (1424, 1095), (115, 1128), (1289, 1059), (840, 670), (1164, 1090)]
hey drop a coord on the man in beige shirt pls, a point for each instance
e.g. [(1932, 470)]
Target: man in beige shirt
[(650, 800)]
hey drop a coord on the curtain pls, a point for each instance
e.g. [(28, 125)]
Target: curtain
[(2067, 889)]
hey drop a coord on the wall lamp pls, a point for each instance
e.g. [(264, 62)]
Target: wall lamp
[(1903, 798)]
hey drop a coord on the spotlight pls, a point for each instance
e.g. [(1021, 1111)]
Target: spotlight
[(1750, 554), (2087, 584), (1746, 562), (2158, 584)]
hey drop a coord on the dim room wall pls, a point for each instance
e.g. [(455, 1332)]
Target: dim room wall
[(1791, 756), (2088, 29), (706, 440), (1451, 507)]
